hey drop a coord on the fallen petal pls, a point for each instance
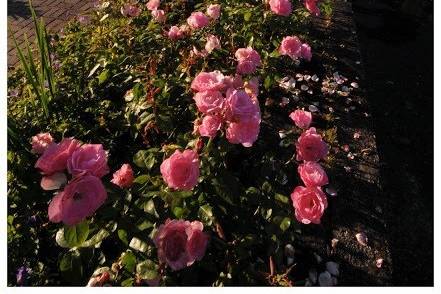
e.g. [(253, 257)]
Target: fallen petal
[(53, 182), (379, 262)]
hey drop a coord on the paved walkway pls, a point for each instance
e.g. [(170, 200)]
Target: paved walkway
[(54, 12)]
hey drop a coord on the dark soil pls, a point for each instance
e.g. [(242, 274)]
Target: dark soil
[(397, 50)]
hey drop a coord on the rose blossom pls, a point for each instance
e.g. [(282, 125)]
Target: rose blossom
[(55, 157), (89, 158), (306, 52), (181, 170), (301, 118), (212, 43), (197, 20), (159, 15), (233, 82), (312, 174), (123, 177), (281, 7), (291, 46), (206, 81), (180, 243), (240, 106), (310, 146), (213, 11), (79, 200), (248, 60), (245, 132), (311, 5), (153, 5), (252, 87), (309, 204), (130, 10), (210, 125), (40, 142), (209, 102), (175, 33)]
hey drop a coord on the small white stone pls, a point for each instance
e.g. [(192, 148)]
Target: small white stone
[(332, 268), (304, 87), (325, 279), (312, 108), (315, 78)]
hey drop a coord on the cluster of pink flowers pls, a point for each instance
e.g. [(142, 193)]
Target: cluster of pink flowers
[(295, 49), (180, 243), (227, 100), (87, 163), (281, 7), (197, 20), (157, 14), (309, 201), (212, 43), (130, 10), (311, 6)]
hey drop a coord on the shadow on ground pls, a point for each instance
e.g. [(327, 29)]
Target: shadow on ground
[(397, 51)]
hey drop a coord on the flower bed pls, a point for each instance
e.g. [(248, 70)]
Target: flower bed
[(205, 115)]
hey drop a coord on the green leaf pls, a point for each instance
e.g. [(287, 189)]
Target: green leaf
[(205, 213), (268, 82), (71, 267), (144, 159), (128, 260), (77, 234), (104, 75), (127, 283), (147, 270), (284, 225), (281, 198), (122, 234), (142, 179), (247, 16), (96, 239)]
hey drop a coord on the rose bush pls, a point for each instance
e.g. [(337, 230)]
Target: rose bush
[(138, 174)]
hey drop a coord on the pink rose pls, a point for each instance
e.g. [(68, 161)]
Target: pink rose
[(40, 142), (248, 60), (213, 11), (175, 33), (181, 170), (312, 174), (158, 15), (245, 132), (281, 7), (208, 81), (197, 20), (130, 10), (252, 87), (235, 82), (89, 158), (209, 102), (55, 157), (306, 52), (79, 200), (123, 177), (240, 106), (309, 204), (212, 43), (312, 7), (153, 4), (301, 118), (180, 243), (310, 146), (291, 46), (210, 125)]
